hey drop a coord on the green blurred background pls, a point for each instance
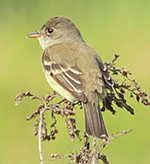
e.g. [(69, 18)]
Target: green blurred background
[(109, 27)]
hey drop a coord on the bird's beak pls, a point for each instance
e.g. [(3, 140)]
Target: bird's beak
[(33, 35)]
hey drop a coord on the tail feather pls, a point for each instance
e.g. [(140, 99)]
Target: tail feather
[(93, 120)]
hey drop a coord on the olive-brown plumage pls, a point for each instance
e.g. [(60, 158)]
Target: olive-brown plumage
[(74, 70)]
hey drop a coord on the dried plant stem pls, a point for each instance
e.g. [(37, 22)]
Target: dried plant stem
[(40, 135), (115, 96), (94, 152)]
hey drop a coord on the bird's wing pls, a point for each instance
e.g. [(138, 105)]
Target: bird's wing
[(105, 75), (66, 76)]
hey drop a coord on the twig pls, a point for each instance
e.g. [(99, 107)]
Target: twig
[(40, 134), (86, 154), (94, 152), (111, 138)]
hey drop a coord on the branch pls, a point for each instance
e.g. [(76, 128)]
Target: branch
[(40, 132), (117, 96), (94, 152), (65, 109)]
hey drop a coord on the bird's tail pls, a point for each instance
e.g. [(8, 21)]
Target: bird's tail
[(93, 119)]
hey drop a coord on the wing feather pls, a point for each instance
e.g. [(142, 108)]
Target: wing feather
[(69, 77)]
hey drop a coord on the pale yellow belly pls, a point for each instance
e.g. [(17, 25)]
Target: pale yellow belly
[(59, 89)]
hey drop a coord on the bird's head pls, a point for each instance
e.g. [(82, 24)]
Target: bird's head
[(57, 30)]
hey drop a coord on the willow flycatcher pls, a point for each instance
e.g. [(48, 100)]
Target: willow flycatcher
[(74, 70)]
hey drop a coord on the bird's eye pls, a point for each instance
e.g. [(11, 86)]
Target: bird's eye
[(49, 30)]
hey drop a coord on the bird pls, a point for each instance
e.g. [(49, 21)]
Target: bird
[(74, 70)]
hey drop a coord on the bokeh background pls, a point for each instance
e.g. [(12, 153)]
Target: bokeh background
[(109, 27)]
